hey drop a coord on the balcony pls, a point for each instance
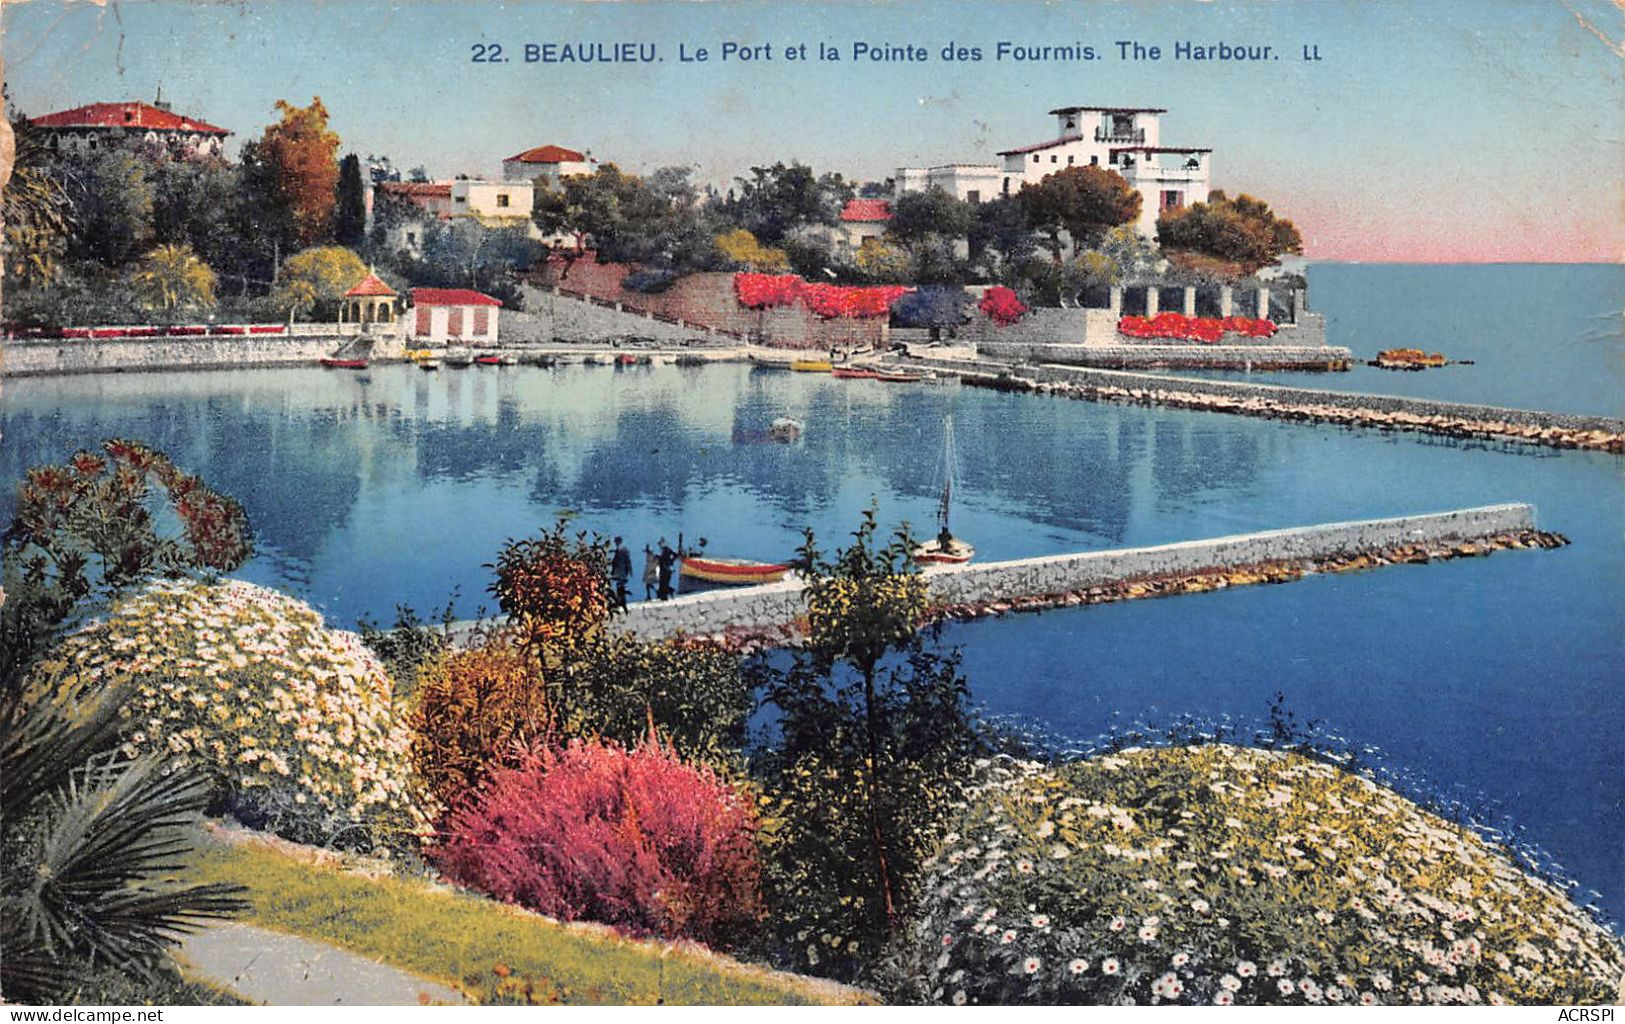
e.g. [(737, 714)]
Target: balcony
[(1133, 136)]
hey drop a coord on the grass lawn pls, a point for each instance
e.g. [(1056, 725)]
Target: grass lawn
[(493, 952)]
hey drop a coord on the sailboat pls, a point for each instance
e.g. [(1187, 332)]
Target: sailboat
[(945, 548)]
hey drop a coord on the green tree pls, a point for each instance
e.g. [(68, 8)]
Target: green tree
[(315, 279), (1227, 237), (112, 198), (33, 207), (263, 221), (631, 220), (350, 213), (916, 216), (1001, 238), (774, 201), (873, 734), (882, 263), (1085, 202), (195, 204)]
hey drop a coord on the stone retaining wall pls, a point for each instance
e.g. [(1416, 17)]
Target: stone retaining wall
[(549, 317), (26, 357), (778, 604)]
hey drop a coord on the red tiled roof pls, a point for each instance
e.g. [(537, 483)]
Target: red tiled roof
[(1035, 147), (451, 297), (547, 155), (418, 189), (866, 210), (370, 285), (125, 115)]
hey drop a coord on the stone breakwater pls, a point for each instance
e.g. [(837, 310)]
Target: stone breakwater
[(768, 615), (1381, 412), (1130, 356)]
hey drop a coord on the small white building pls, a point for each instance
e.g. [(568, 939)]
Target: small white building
[(547, 165), (493, 203), (861, 221), (454, 316), (971, 183), (1127, 140)]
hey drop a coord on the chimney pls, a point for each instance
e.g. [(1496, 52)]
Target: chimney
[(158, 100)]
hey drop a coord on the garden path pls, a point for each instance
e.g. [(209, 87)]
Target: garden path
[(269, 967)]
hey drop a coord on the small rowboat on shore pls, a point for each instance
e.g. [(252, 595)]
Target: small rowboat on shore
[(333, 363), (495, 360), (428, 364), (956, 553), (811, 365), (898, 376), (735, 572)]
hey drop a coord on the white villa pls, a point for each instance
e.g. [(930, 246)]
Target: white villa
[(454, 316), (1128, 140)]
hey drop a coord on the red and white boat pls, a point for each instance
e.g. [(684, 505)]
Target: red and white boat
[(735, 572), (334, 363), (898, 376), (852, 373)]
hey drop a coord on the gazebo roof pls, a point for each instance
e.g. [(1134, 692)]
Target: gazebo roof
[(370, 285)]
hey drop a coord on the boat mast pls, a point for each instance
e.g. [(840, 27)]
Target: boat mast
[(947, 473)]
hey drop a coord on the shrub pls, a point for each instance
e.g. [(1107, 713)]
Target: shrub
[(1219, 874), (1001, 305), (694, 693), (553, 588), (293, 721), (476, 709), (631, 838)]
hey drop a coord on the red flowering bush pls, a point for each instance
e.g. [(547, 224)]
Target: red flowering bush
[(631, 838), (552, 588), (1001, 305), (1206, 329), (762, 291)]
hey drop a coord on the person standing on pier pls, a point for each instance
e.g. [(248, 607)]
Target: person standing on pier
[(620, 571), (667, 561), (651, 573)]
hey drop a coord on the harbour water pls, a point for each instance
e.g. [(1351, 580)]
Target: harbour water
[(1496, 677)]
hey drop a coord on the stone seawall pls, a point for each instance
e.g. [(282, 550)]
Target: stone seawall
[(775, 606), (1178, 357), (30, 357)]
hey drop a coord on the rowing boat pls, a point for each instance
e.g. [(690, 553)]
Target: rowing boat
[(737, 572), (852, 373), (811, 365), (333, 363)]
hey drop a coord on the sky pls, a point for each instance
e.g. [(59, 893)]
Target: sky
[(1428, 131)]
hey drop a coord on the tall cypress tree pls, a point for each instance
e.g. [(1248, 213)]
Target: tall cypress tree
[(350, 216)]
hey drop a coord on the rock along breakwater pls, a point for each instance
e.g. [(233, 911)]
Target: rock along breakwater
[(753, 617), (1380, 412)]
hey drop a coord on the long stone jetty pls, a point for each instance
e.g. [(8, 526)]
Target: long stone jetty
[(1275, 401), (768, 614)]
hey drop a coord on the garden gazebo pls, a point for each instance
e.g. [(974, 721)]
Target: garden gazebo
[(371, 301)]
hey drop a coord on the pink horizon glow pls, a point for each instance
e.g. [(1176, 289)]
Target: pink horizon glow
[(1352, 232)]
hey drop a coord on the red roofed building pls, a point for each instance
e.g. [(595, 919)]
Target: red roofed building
[(99, 127), (454, 316), (547, 165), (862, 220)]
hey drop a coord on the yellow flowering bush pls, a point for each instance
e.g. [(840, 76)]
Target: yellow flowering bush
[(1222, 874), (293, 720)]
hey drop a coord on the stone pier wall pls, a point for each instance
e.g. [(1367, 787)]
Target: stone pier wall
[(27, 357), (1171, 356), (778, 604)]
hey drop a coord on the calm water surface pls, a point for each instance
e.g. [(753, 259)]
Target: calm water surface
[(1497, 676)]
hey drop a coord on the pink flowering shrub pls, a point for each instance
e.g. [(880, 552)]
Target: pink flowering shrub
[(631, 838), (830, 301), (1001, 305)]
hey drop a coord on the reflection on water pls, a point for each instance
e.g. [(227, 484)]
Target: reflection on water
[(398, 486)]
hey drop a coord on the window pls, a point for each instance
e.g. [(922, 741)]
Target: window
[(973, 196), (411, 238), (1172, 199), (502, 200), (1054, 159), (1035, 158), (1070, 158), (1094, 161), (460, 199), (1007, 186), (454, 322)]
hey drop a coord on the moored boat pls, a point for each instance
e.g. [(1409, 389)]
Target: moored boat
[(735, 572), (811, 365), (496, 360), (428, 363), (458, 357), (852, 373), (898, 376), (945, 548), (785, 429), (335, 363)]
